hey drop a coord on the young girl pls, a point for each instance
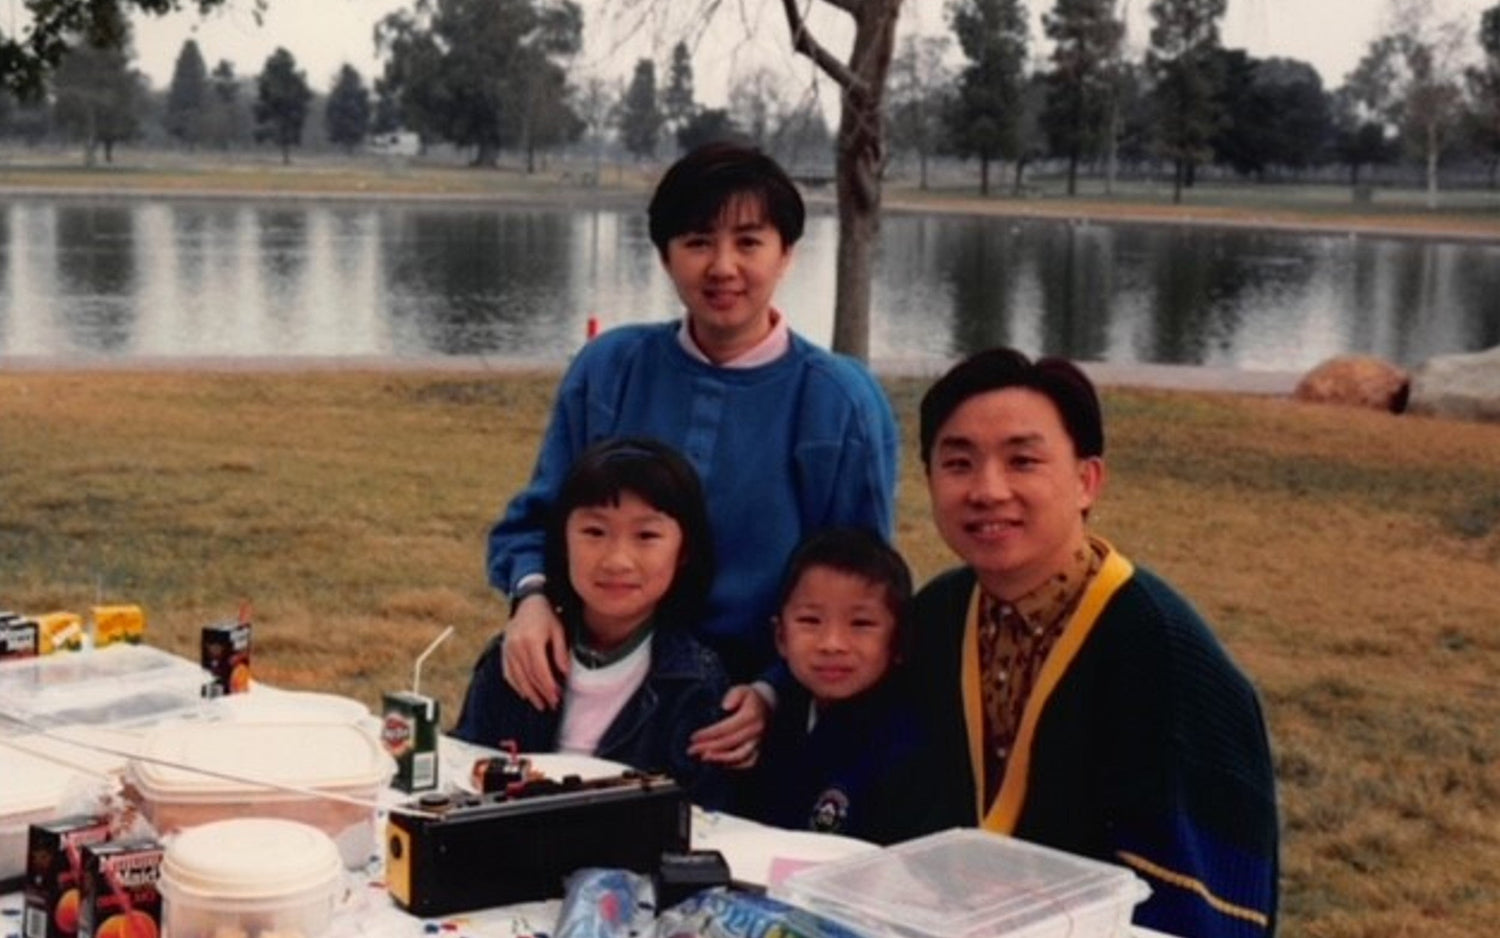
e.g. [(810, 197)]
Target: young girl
[(844, 752), (628, 562)]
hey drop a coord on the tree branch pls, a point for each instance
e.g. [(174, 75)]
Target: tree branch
[(804, 43)]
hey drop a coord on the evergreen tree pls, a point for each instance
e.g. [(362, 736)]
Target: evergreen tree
[(225, 122), (1086, 48), (677, 104), (347, 115), (98, 98), (920, 85), (640, 115), (1185, 65), (187, 97), (1484, 90), (482, 73), (281, 103), (985, 119)]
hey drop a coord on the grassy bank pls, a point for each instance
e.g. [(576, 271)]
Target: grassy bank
[(1350, 561), (1461, 213)]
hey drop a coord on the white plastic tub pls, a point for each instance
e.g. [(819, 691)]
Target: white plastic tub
[(31, 791), (197, 773), (969, 884), (252, 877)]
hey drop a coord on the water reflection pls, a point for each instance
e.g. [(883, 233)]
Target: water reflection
[(95, 250), (225, 278)]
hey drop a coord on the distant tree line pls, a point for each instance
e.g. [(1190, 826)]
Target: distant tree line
[(1423, 93), (494, 76)]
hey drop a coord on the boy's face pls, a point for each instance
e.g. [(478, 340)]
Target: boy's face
[(726, 277), (836, 633), (622, 560), (1008, 490)]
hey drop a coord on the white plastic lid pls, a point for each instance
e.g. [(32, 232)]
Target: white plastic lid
[(321, 755), (264, 705), (250, 858), (29, 784)]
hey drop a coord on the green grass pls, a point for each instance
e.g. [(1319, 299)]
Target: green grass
[(1349, 560)]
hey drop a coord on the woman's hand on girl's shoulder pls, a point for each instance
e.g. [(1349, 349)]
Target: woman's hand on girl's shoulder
[(734, 742)]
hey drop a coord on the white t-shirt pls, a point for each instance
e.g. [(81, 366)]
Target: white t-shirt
[(593, 698)]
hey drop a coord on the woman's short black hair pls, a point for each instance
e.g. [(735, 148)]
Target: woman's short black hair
[(659, 476), (1059, 380), (862, 553), (695, 191)]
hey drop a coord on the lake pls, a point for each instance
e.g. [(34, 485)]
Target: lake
[(182, 278)]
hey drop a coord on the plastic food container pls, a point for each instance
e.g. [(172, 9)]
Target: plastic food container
[(121, 684), (249, 877), (969, 884), (196, 773)]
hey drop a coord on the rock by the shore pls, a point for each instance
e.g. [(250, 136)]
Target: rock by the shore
[(1356, 381), (1466, 387)]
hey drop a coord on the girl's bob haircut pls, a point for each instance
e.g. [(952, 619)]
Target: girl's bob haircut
[(655, 473)]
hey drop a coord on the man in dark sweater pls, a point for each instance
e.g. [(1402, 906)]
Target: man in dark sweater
[(1076, 699)]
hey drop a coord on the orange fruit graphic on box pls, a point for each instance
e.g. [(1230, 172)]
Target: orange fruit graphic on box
[(132, 924), (66, 913)]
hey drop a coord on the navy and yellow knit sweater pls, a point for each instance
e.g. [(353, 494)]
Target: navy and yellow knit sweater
[(1143, 745)]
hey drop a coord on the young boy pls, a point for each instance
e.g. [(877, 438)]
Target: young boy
[(843, 752)]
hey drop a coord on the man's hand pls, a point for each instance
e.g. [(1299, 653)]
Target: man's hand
[(534, 645), (734, 742)]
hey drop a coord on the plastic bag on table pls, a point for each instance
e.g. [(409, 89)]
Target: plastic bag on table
[(727, 913), (606, 903)]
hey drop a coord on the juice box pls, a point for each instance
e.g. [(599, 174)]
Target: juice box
[(59, 631), (118, 624), (120, 899), (19, 638), (226, 656), (408, 730), (54, 873)]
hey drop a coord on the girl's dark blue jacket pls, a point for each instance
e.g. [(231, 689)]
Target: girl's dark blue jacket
[(681, 694)]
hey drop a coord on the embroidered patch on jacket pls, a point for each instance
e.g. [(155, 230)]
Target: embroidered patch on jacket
[(829, 811)]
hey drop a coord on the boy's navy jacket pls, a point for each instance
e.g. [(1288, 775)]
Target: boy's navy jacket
[(860, 772), (681, 694)]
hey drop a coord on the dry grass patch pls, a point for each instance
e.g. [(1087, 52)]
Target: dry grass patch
[(1350, 561)]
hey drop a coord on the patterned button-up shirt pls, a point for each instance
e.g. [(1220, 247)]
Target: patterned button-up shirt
[(1015, 638)]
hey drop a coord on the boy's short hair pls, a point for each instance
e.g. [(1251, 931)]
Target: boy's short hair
[(859, 552), (1057, 379), (662, 478), (697, 188)]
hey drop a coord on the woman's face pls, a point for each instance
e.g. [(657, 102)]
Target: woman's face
[(726, 277), (622, 560)]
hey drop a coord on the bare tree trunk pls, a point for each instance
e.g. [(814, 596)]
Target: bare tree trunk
[(1432, 164), (984, 174), (860, 158)]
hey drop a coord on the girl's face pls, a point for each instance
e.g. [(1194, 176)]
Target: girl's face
[(836, 633), (621, 561)]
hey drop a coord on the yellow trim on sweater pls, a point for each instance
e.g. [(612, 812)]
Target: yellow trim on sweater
[(1001, 817), (1193, 885)]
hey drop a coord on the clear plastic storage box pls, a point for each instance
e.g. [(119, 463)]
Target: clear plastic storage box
[(121, 684), (969, 884)]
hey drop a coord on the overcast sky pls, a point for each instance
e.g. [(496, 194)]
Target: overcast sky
[(324, 34)]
